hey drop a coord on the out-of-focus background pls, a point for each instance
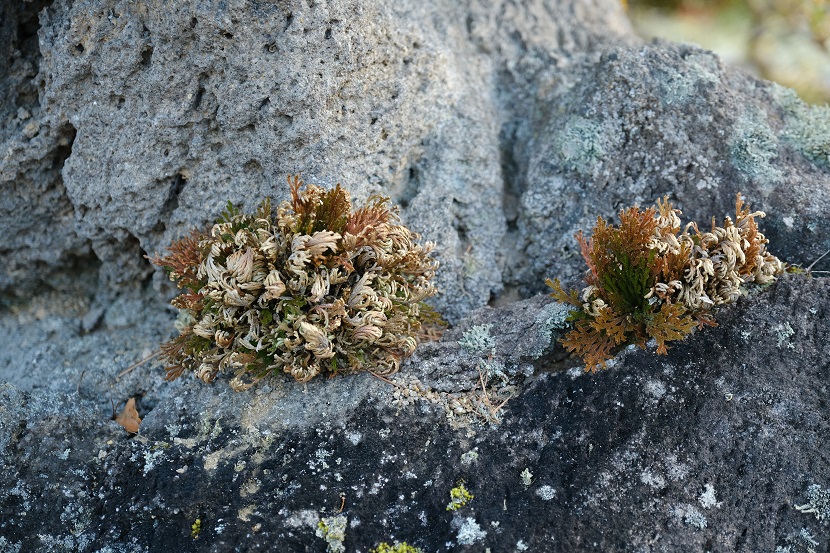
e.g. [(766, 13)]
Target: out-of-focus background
[(787, 41)]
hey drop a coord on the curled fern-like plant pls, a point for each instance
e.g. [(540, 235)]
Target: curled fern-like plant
[(316, 287), (647, 279)]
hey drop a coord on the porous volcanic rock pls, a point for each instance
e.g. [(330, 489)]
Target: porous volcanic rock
[(501, 128)]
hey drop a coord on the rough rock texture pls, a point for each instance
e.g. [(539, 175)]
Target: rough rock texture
[(501, 128), (666, 120), (170, 113), (708, 449)]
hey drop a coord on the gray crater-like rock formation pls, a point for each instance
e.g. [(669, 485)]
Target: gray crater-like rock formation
[(667, 120), (150, 119), (501, 128)]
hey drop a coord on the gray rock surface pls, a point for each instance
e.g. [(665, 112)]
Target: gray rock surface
[(168, 114), (711, 448), (670, 120), (501, 128)]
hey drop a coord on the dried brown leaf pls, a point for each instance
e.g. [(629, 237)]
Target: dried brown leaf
[(593, 346), (182, 260), (613, 325), (672, 322), (128, 418)]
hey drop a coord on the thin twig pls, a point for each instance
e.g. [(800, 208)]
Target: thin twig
[(813, 264), (481, 379), (83, 372), (503, 403), (393, 383), (485, 400), (138, 364)]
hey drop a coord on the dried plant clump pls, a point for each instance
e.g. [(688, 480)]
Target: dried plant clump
[(315, 288), (647, 279)]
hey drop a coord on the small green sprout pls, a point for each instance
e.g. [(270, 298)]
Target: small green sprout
[(195, 528), (333, 531), (459, 496)]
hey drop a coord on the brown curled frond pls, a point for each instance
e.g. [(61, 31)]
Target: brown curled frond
[(314, 289), (647, 279)]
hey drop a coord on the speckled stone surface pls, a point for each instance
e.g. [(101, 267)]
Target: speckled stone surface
[(710, 448), (501, 128)]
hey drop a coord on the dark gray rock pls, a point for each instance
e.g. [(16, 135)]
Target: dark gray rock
[(710, 448), (40, 236), (501, 129), (670, 120)]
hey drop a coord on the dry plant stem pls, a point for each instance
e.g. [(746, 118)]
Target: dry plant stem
[(813, 264), (392, 382), (136, 365), (78, 390), (473, 399), (486, 398)]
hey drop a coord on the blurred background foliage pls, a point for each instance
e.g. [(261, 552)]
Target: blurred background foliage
[(787, 41)]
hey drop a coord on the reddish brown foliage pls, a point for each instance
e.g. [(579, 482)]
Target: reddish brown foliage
[(647, 280)]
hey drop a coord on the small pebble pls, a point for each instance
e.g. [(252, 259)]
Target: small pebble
[(31, 130)]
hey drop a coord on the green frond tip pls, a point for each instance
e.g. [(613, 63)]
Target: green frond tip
[(228, 214), (648, 280)]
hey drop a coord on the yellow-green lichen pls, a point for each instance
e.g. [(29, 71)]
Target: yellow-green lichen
[(195, 528), (399, 547), (459, 496)]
